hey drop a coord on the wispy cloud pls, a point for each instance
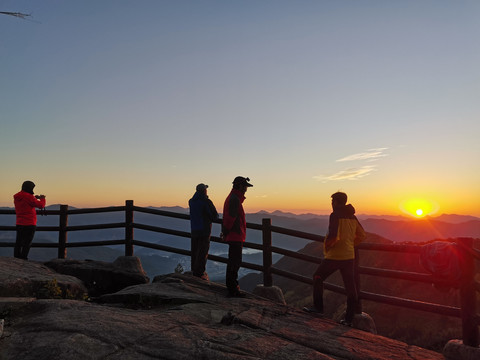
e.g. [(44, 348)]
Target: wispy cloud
[(372, 154), (357, 172), (348, 174)]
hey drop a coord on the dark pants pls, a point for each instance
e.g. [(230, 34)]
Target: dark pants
[(200, 246), (347, 269), (24, 240), (233, 265)]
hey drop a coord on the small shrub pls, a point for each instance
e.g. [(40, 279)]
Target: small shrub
[(50, 290)]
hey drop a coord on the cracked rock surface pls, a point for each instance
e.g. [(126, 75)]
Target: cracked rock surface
[(182, 317)]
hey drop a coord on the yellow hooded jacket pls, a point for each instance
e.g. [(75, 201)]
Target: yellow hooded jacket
[(344, 233)]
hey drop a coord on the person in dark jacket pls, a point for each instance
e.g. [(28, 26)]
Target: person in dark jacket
[(234, 230), (344, 233), (202, 214), (26, 218)]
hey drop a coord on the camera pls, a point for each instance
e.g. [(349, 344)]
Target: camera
[(40, 196)]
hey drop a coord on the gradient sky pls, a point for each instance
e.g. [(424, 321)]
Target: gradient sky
[(104, 101)]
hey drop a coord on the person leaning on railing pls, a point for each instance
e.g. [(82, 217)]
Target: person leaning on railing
[(26, 223)]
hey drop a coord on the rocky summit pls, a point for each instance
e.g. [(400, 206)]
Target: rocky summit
[(176, 316)]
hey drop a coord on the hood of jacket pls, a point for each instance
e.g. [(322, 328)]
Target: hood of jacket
[(345, 211), (22, 196)]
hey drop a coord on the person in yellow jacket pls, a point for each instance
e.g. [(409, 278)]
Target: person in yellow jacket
[(344, 233)]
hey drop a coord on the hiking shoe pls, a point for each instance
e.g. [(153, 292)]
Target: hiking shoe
[(204, 276), (346, 323), (313, 310)]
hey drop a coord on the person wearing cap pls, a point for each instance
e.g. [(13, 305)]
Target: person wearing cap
[(26, 218), (234, 230), (202, 214)]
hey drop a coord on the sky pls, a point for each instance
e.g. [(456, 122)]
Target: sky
[(107, 101)]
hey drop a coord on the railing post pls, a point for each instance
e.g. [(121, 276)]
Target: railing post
[(267, 252), (358, 306), (468, 293), (62, 232), (129, 228)]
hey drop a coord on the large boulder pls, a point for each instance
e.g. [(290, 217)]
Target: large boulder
[(364, 322), (456, 350), (103, 277), (164, 290), (273, 293), (22, 278)]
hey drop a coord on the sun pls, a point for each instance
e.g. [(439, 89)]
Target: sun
[(418, 207)]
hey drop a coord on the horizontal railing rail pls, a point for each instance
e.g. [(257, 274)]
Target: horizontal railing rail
[(468, 286)]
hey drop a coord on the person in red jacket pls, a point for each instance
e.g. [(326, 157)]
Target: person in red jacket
[(25, 204), (234, 229)]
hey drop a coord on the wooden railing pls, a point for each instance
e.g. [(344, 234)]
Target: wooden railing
[(468, 287)]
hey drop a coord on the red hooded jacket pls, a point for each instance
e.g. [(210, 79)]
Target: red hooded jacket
[(234, 225), (25, 204)]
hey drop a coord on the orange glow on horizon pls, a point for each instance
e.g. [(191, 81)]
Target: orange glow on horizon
[(413, 201), (418, 207)]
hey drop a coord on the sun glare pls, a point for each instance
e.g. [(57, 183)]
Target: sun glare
[(418, 207)]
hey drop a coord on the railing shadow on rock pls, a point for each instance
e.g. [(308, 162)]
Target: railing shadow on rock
[(468, 287)]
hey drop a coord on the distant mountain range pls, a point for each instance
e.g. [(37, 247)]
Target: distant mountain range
[(398, 229), (395, 228), (448, 218)]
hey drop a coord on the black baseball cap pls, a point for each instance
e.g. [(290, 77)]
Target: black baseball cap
[(201, 187), (240, 180)]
